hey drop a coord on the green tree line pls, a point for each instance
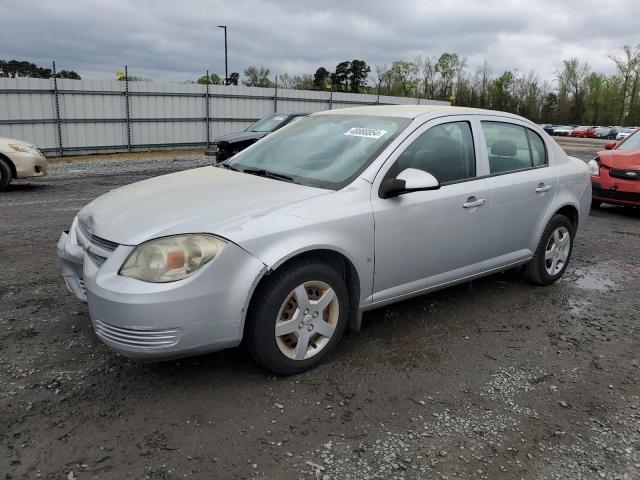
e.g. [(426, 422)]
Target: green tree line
[(577, 95), (17, 68)]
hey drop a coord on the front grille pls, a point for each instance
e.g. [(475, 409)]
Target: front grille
[(97, 259), (83, 287), (133, 337), (626, 174), (616, 195), (100, 242)]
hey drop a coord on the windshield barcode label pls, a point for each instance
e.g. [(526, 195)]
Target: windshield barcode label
[(365, 132)]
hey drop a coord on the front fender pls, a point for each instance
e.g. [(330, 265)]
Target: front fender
[(341, 222)]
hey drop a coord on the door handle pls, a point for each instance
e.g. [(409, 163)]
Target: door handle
[(473, 202), (543, 188)]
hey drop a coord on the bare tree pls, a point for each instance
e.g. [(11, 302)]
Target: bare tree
[(572, 82), (427, 71), (379, 76), (627, 66), (484, 73), (285, 81)]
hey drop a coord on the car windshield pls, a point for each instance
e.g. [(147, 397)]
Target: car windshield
[(326, 151), (267, 124), (631, 143)]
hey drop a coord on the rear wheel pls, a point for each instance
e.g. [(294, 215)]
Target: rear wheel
[(553, 253), (5, 175), (297, 317), (596, 203)]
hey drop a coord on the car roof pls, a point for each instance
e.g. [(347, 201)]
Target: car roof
[(414, 111)]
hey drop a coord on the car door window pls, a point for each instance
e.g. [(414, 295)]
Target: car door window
[(446, 151), (512, 147)]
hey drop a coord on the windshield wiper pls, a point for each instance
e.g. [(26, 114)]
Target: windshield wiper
[(261, 172)]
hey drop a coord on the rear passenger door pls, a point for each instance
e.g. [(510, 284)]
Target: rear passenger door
[(522, 186)]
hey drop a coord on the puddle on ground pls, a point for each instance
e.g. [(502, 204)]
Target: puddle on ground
[(593, 281), (601, 277)]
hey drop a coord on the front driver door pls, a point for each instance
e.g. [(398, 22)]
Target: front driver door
[(430, 238)]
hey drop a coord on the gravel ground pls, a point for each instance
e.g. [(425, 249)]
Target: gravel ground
[(491, 380)]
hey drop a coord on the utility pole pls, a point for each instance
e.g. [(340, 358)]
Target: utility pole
[(226, 65)]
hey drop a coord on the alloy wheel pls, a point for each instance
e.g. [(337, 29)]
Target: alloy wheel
[(307, 320), (557, 251)]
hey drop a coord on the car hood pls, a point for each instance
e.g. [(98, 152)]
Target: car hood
[(239, 137), (207, 199), (6, 141), (620, 158)]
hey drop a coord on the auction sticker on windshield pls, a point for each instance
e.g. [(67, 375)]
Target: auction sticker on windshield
[(365, 132)]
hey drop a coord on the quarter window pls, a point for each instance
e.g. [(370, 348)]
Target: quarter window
[(446, 151), (538, 151), (512, 147)]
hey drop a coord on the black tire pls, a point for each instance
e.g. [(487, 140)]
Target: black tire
[(259, 334), (536, 270), (596, 203), (5, 175)]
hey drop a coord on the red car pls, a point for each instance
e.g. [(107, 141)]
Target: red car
[(583, 132), (615, 173)]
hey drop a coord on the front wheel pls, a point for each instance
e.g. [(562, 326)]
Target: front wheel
[(5, 175), (297, 317), (553, 253)]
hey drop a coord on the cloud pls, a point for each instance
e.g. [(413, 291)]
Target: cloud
[(179, 40)]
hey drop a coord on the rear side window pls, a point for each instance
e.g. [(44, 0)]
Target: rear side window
[(512, 147), (446, 151)]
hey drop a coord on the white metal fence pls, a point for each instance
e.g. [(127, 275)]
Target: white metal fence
[(66, 117)]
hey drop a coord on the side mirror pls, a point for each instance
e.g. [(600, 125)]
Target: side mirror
[(610, 146), (409, 180)]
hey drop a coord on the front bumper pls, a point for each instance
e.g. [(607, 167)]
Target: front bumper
[(142, 320), (617, 191), (29, 164)]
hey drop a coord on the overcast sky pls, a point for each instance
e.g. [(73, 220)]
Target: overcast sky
[(178, 40)]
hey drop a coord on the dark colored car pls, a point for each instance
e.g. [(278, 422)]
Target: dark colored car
[(550, 128), (603, 132), (615, 173), (228, 145)]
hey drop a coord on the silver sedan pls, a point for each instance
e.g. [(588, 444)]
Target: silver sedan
[(284, 245)]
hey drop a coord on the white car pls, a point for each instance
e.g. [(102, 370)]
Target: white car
[(562, 131), (20, 159), (624, 133)]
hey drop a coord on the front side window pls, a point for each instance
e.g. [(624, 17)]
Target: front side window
[(445, 151), (326, 151), (512, 147)]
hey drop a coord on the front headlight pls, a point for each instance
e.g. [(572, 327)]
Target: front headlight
[(18, 147), (171, 258), (594, 167)]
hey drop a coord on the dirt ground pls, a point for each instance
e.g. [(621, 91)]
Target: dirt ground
[(496, 379)]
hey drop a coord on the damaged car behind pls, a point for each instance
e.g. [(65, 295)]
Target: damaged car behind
[(228, 145), (285, 245)]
